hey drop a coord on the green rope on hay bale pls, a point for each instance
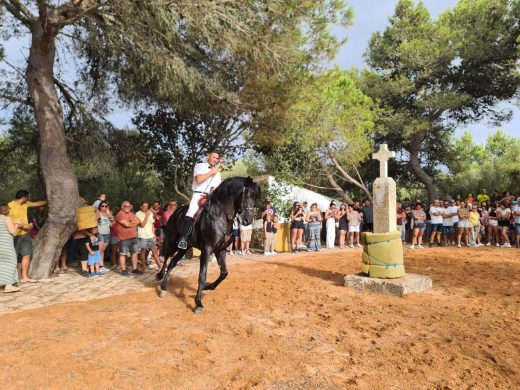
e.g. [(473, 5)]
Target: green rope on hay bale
[(382, 255)]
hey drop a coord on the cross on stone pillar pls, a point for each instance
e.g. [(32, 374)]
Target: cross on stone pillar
[(383, 155)]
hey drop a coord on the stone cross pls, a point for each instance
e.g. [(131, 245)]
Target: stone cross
[(384, 194), (383, 155)]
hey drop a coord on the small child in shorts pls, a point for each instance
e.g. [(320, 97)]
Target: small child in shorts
[(92, 245)]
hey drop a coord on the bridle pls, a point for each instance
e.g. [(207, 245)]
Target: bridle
[(242, 206)]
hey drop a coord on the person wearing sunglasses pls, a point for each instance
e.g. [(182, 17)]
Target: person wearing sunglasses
[(105, 221)]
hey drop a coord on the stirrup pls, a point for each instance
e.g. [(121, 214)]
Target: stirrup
[(182, 244)]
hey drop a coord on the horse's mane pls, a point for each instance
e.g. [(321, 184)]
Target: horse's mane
[(232, 186)]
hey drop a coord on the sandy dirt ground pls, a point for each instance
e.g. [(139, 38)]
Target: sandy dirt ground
[(284, 323)]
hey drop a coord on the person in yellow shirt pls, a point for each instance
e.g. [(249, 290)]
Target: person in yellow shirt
[(483, 197), (22, 240)]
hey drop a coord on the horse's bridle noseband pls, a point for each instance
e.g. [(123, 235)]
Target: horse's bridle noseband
[(242, 208)]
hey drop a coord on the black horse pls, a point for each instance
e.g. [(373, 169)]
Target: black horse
[(212, 231)]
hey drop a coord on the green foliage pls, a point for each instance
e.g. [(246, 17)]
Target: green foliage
[(279, 193), (495, 165), (172, 144), (429, 75), (18, 158), (329, 117)]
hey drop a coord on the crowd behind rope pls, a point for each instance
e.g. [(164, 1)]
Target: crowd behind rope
[(471, 221), (123, 233)]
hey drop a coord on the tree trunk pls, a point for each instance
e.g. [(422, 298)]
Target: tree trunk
[(60, 181), (415, 166)]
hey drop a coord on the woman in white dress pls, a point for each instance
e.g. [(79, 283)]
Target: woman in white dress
[(330, 217)]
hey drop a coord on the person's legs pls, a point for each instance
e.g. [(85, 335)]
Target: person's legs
[(299, 237), (156, 257), (102, 247), (143, 253), (466, 236), (415, 237), (294, 233), (459, 235), (419, 238)]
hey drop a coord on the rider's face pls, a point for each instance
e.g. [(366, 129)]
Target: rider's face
[(213, 158)]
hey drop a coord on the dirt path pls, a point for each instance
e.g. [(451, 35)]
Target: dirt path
[(284, 323)]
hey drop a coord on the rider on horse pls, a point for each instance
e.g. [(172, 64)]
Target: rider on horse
[(206, 177)]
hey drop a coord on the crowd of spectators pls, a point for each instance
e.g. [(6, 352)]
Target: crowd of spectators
[(472, 221), (122, 234)]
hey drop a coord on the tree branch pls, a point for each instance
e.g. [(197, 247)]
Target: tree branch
[(175, 188), (42, 10), (333, 182), (16, 99), (73, 10), (347, 176), (319, 187), (19, 11)]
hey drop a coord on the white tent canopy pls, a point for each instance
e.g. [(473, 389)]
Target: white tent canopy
[(301, 194)]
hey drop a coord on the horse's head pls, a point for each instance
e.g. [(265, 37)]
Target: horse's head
[(250, 192)]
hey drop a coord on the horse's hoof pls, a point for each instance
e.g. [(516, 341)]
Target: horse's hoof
[(163, 293), (198, 310)]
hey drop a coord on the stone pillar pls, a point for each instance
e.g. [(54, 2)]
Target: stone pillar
[(383, 251), (384, 199)]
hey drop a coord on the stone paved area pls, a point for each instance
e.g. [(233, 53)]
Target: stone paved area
[(72, 287)]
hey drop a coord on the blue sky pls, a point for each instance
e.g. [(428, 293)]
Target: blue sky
[(370, 16)]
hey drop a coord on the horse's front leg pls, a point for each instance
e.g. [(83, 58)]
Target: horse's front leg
[(204, 259), (221, 259), (173, 262)]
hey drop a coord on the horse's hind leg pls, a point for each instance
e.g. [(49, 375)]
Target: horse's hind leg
[(204, 259), (169, 250), (173, 262), (221, 259)]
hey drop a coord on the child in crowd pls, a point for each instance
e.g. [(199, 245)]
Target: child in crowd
[(246, 231), (92, 245), (275, 230), (269, 235)]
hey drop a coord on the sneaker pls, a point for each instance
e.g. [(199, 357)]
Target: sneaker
[(103, 269), (274, 253), (238, 252), (125, 273), (431, 245), (231, 253), (497, 244), (459, 246), (98, 273), (420, 246), (412, 247), (92, 274), (248, 252), (10, 288), (267, 253), (351, 246), (137, 272), (488, 244), (359, 246), (85, 274)]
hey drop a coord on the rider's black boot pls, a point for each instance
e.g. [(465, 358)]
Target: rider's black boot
[(187, 226)]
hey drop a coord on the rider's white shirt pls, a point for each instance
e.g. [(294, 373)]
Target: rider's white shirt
[(206, 185)]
